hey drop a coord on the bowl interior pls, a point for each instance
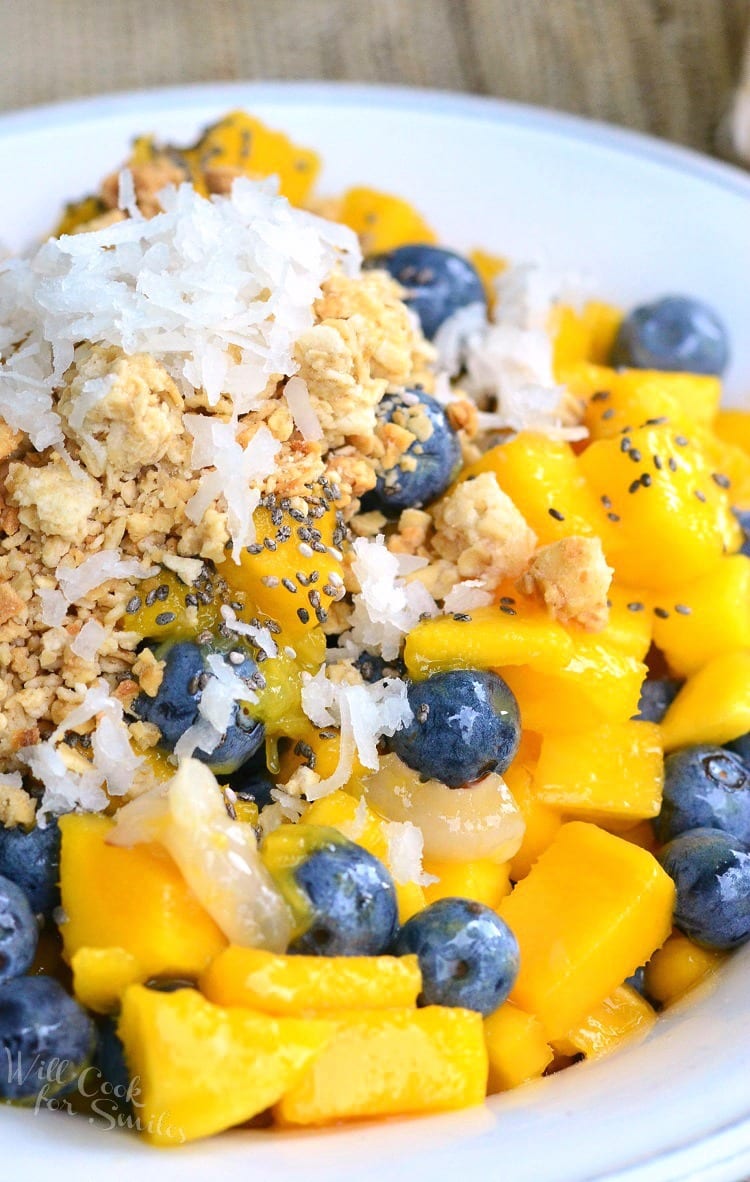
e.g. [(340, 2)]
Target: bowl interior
[(640, 219)]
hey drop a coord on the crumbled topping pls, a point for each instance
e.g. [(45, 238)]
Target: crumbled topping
[(572, 578), (478, 528)]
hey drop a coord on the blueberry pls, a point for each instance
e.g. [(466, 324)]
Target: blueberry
[(674, 333), (18, 932), (743, 517), (374, 668), (351, 901), (637, 981), (429, 464), (31, 859), (253, 781), (175, 706), (111, 1066), (466, 724), (704, 788), (657, 695), (711, 871), (46, 1039), (467, 954), (438, 282)]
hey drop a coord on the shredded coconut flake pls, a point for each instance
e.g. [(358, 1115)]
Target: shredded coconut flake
[(54, 607), (464, 596), (405, 847), (260, 636), (11, 780), (89, 640), (387, 607), (303, 412), (216, 709), (76, 582)]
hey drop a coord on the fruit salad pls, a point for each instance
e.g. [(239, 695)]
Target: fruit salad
[(375, 724)]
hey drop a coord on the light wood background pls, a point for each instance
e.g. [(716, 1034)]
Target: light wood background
[(664, 66)]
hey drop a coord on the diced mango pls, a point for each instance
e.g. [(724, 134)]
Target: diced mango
[(542, 823), (731, 465), (592, 909), (244, 144), (677, 967), (617, 399), (516, 1047), (713, 706), (621, 1017), (490, 639), (183, 622), (78, 213), (489, 267), (613, 773), (600, 683), (325, 746), (583, 336), (201, 1068), (270, 578), (382, 221), (711, 618), (101, 976), (641, 834), (392, 1062), (673, 521), (297, 985), (134, 899), (540, 474), (359, 823), (481, 880), (733, 426), (627, 628)]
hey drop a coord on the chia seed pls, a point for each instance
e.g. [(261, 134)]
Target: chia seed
[(558, 516), (661, 612), (303, 615), (165, 618), (133, 604)]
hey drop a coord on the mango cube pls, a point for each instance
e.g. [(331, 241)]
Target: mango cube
[(583, 336), (134, 899), (617, 399), (678, 966), (201, 1068), (389, 1062), (621, 1017), (613, 773), (516, 1047), (712, 617), (101, 976), (540, 474), (713, 706), (489, 640), (481, 880), (383, 221), (541, 823), (599, 684), (673, 522), (295, 985), (592, 909)]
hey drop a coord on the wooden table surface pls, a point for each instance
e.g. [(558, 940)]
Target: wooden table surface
[(663, 66)]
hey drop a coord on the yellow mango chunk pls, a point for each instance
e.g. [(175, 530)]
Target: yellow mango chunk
[(713, 705), (359, 823), (382, 221), (325, 745), (168, 616), (244, 144), (78, 213), (392, 1062), (733, 426), (540, 474), (294, 985), (312, 580), (489, 639), (677, 967), (542, 823), (730, 463), (516, 1048), (134, 899), (101, 976), (582, 336), (617, 399), (600, 683), (613, 773), (628, 629), (671, 529), (622, 1016), (592, 909), (489, 267), (201, 1068), (481, 880), (711, 618)]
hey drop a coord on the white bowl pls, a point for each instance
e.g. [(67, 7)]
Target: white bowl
[(643, 218)]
